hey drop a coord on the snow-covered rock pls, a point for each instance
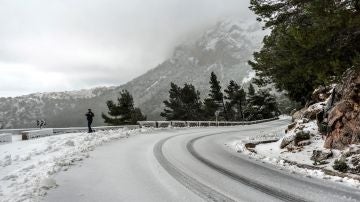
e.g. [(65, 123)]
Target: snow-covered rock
[(333, 111), (299, 131), (344, 117), (321, 155)]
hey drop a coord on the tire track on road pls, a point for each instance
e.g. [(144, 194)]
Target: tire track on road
[(242, 179), (190, 183)]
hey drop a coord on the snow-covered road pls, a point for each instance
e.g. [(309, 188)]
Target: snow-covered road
[(192, 164)]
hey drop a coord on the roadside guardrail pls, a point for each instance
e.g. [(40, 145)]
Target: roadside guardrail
[(27, 135), (97, 128), (16, 131), (31, 133), (5, 138), (165, 124), (66, 130)]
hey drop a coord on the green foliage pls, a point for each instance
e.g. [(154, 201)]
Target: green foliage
[(183, 104), (236, 97), (215, 88), (340, 165), (285, 105), (210, 107), (251, 90), (311, 43), (261, 105), (124, 111), (136, 115), (215, 101)]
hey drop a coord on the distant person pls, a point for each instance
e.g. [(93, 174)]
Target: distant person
[(40, 123), (89, 116)]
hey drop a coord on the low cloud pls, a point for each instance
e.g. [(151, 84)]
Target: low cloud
[(65, 45)]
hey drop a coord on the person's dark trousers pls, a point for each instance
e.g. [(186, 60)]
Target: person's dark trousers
[(89, 126)]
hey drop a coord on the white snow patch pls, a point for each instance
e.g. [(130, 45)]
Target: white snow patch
[(26, 167), (271, 153), (251, 75)]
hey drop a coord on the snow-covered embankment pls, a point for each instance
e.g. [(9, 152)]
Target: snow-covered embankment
[(293, 151), (26, 167)]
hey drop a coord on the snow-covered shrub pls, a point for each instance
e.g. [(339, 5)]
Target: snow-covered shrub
[(340, 165)]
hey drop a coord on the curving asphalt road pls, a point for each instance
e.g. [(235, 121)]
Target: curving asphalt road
[(192, 164)]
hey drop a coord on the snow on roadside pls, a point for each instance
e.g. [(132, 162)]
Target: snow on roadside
[(271, 153), (239, 145), (26, 167)]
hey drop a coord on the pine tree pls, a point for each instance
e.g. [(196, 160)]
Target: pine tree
[(215, 101), (311, 43), (192, 104), (137, 115), (173, 108), (251, 90), (210, 107), (124, 111), (183, 104), (237, 100), (261, 105), (249, 110)]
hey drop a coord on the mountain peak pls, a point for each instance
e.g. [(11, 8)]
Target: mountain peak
[(234, 33), (224, 49)]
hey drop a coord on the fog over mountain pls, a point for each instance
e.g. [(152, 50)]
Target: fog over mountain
[(223, 48), (59, 45)]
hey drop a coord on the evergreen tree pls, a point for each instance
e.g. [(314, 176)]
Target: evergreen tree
[(311, 43), (124, 111), (237, 100), (251, 90), (215, 101), (261, 105), (249, 109), (173, 106), (137, 115), (183, 104), (210, 107), (285, 105)]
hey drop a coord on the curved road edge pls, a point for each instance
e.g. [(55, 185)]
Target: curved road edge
[(241, 179), (190, 183)]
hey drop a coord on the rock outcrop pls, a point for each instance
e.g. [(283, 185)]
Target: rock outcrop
[(299, 134), (321, 155), (343, 118), (303, 128), (332, 113), (319, 101)]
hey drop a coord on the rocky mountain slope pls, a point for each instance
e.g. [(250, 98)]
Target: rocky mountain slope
[(326, 133), (344, 117), (224, 49), (323, 141)]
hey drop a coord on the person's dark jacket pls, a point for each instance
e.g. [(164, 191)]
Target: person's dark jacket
[(89, 116)]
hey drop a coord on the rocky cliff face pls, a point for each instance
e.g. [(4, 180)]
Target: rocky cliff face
[(329, 127), (336, 112), (344, 117)]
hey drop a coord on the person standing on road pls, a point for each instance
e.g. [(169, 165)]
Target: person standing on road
[(89, 116)]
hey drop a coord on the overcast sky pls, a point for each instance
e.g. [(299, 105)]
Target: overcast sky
[(57, 45)]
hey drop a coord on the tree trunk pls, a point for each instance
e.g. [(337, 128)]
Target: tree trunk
[(225, 112)]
